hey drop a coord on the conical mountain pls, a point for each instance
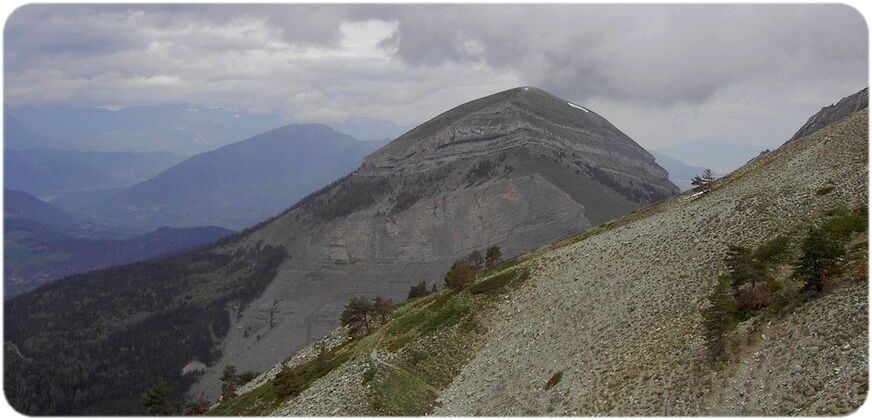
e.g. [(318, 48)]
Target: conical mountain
[(233, 186)]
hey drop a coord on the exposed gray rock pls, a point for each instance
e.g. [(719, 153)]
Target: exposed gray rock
[(830, 114)]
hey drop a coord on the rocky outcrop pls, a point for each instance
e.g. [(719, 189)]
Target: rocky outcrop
[(517, 169), (830, 114)]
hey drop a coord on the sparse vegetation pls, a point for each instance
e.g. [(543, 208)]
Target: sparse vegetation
[(246, 377), (197, 407), (493, 256), (419, 290), (824, 190), (290, 382), (361, 313), (475, 260), (704, 180), (460, 275), (748, 286), (823, 247)]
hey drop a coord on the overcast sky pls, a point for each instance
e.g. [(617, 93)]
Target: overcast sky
[(662, 74)]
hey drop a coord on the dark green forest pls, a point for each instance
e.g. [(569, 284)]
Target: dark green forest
[(92, 343)]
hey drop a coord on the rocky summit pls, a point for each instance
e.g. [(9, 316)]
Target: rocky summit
[(517, 170)]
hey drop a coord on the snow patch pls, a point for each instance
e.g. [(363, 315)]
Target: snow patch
[(576, 106), (697, 194)]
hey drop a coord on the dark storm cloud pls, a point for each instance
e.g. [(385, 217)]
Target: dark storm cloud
[(656, 53), (664, 74)]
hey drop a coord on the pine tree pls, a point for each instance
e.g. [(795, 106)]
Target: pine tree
[(197, 407), (382, 308), (492, 257), (707, 178), (289, 383), (475, 259), (228, 382), (460, 275), (819, 259), (158, 400), (323, 359), (418, 290), (356, 315)]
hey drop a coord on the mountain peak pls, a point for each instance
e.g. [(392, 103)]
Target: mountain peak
[(518, 117), (303, 130)]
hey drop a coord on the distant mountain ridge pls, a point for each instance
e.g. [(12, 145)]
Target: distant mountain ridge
[(43, 243), (233, 186), (50, 172), (18, 137), (178, 128), (21, 205), (680, 173), (719, 157)]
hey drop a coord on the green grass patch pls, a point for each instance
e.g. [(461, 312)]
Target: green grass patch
[(266, 398), (498, 283)]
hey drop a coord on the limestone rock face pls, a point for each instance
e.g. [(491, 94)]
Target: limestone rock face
[(517, 169)]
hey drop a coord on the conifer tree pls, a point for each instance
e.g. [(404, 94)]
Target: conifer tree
[(158, 400), (819, 259)]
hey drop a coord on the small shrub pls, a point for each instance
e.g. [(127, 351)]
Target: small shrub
[(288, 382), (475, 260), (368, 374), (824, 190), (843, 223), (416, 356), (382, 308), (773, 250), (554, 380), (197, 407), (246, 377)]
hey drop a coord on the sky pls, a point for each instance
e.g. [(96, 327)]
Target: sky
[(665, 75)]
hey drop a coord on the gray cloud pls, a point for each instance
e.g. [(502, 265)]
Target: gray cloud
[(664, 74)]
